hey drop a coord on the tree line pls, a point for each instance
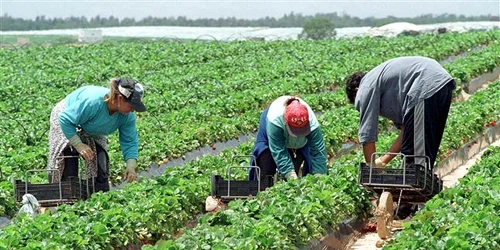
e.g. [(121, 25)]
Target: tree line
[(288, 20)]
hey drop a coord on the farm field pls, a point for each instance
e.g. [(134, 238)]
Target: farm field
[(10, 41), (465, 216), (199, 93)]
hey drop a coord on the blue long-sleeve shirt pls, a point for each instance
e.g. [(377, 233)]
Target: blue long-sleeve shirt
[(85, 108)]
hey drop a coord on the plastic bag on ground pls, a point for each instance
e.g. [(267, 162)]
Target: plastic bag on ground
[(30, 205), (213, 204)]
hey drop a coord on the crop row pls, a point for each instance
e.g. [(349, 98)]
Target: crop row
[(302, 208), (16, 158), (19, 158), (155, 209), (338, 124), (224, 118), (466, 216), (199, 93)]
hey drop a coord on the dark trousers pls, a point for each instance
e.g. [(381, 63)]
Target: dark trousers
[(71, 167), (431, 117), (268, 166)]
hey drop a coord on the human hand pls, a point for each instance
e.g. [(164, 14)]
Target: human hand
[(379, 163), (318, 175), (130, 174), (84, 150)]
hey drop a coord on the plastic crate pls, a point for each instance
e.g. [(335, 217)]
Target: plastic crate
[(238, 188), (414, 175), (71, 190), (427, 182)]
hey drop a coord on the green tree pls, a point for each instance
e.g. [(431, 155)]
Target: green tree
[(318, 28), (288, 20)]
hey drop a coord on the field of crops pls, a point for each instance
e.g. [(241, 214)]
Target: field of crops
[(202, 92), (466, 216)]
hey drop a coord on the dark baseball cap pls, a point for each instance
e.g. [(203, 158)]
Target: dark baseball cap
[(133, 92)]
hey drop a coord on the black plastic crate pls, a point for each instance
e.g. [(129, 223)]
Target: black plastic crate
[(414, 175), (438, 185), (418, 183), (71, 190), (83, 189), (239, 187)]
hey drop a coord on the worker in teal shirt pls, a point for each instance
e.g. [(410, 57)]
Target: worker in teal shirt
[(79, 125), (289, 137)]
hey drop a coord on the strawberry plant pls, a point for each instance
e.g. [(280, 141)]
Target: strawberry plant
[(200, 93), (465, 216)]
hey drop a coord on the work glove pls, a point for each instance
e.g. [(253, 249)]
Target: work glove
[(83, 149), (318, 175), (291, 175), (130, 174), (379, 163)]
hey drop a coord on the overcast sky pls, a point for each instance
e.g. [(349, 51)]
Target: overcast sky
[(240, 9)]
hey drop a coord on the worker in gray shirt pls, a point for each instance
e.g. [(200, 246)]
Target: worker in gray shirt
[(415, 93)]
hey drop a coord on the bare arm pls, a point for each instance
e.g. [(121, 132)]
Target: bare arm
[(368, 150), (395, 147)]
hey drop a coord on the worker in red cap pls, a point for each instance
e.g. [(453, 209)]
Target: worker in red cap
[(289, 137)]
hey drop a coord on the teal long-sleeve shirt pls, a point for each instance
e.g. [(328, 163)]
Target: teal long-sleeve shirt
[(85, 108), (280, 141)]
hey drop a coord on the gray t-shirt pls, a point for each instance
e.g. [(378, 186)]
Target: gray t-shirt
[(393, 88)]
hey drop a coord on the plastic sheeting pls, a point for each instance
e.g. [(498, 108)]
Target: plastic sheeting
[(259, 33), (394, 29)]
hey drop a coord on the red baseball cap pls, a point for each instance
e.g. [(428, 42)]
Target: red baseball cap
[(297, 119)]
